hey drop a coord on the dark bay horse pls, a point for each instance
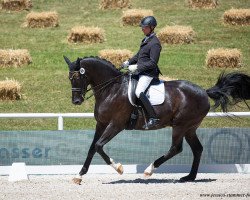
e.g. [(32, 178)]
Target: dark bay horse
[(184, 108)]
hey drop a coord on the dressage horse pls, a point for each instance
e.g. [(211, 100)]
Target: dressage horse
[(184, 108)]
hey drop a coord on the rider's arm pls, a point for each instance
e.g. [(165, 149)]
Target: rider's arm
[(153, 58), (134, 59)]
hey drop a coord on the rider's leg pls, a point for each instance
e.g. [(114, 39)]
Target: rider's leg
[(142, 85)]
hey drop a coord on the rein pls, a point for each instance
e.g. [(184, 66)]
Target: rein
[(105, 84), (102, 85)]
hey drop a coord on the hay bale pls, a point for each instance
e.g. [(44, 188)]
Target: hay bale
[(224, 58), (16, 5), (203, 3), (176, 35), (82, 34), (114, 4), (237, 17), (133, 17), (14, 58), (116, 56), (10, 90), (42, 20)]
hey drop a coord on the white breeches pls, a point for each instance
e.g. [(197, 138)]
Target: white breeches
[(142, 85)]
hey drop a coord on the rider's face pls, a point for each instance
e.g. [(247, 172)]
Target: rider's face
[(146, 30)]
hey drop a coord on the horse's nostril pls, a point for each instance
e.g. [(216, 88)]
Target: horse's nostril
[(77, 101)]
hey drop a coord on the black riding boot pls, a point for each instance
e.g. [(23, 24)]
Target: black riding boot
[(153, 121)]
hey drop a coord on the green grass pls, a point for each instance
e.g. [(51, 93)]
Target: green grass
[(45, 85)]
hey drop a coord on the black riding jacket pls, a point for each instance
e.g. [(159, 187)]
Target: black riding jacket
[(148, 57)]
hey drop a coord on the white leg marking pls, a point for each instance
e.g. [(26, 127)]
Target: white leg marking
[(118, 167), (149, 170)]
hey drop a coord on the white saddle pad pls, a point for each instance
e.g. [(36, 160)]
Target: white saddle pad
[(155, 94)]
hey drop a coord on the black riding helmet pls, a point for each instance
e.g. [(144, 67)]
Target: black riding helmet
[(148, 21)]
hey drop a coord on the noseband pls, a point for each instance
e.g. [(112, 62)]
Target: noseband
[(82, 75), (76, 89)]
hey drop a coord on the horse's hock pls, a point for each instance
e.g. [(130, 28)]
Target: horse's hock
[(116, 56), (14, 58), (10, 90), (231, 58), (16, 5), (208, 4), (82, 34), (114, 4), (237, 17), (41, 20), (134, 16), (176, 35)]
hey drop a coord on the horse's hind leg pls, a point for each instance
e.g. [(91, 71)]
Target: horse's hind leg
[(176, 147), (197, 149)]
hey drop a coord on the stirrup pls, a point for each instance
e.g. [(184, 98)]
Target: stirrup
[(152, 122)]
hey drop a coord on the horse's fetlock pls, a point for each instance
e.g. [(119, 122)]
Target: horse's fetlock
[(83, 171)]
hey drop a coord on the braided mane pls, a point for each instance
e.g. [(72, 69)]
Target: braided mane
[(102, 60)]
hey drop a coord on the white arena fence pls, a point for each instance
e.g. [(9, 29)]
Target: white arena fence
[(61, 116), (217, 157)]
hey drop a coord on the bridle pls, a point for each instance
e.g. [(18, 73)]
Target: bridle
[(71, 77), (97, 88)]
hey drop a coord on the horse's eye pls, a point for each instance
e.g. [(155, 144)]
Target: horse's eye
[(77, 76)]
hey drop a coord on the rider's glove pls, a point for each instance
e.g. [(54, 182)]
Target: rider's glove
[(132, 68), (125, 64)]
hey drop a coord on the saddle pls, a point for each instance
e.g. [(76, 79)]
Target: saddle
[(155, 93)]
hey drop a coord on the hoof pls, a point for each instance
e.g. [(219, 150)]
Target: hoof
[(147, 175), (119, 168), (149, 171), (77, 181), (187, 178)]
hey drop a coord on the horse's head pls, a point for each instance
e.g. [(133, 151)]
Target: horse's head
[(78, 79)]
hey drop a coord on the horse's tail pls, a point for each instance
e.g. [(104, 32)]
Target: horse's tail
[(230, 89)]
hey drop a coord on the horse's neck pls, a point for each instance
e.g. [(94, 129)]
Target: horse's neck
[(114, 92), (102, 74), (102, 77)]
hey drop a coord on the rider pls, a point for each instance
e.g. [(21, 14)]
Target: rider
[(144, 64)]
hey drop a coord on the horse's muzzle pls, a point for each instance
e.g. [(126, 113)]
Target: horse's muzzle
[(77, 101)]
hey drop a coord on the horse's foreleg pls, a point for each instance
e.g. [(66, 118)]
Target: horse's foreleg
[(91, 153), (176, 147), (110, 132), (197, 149)]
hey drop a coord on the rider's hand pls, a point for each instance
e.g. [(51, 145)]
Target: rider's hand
[(125, 64), (132, 68)]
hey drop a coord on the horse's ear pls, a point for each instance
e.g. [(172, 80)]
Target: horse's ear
[(67, 61), (78, 61)]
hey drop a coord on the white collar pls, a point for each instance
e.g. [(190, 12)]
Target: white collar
[(147, 37)]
